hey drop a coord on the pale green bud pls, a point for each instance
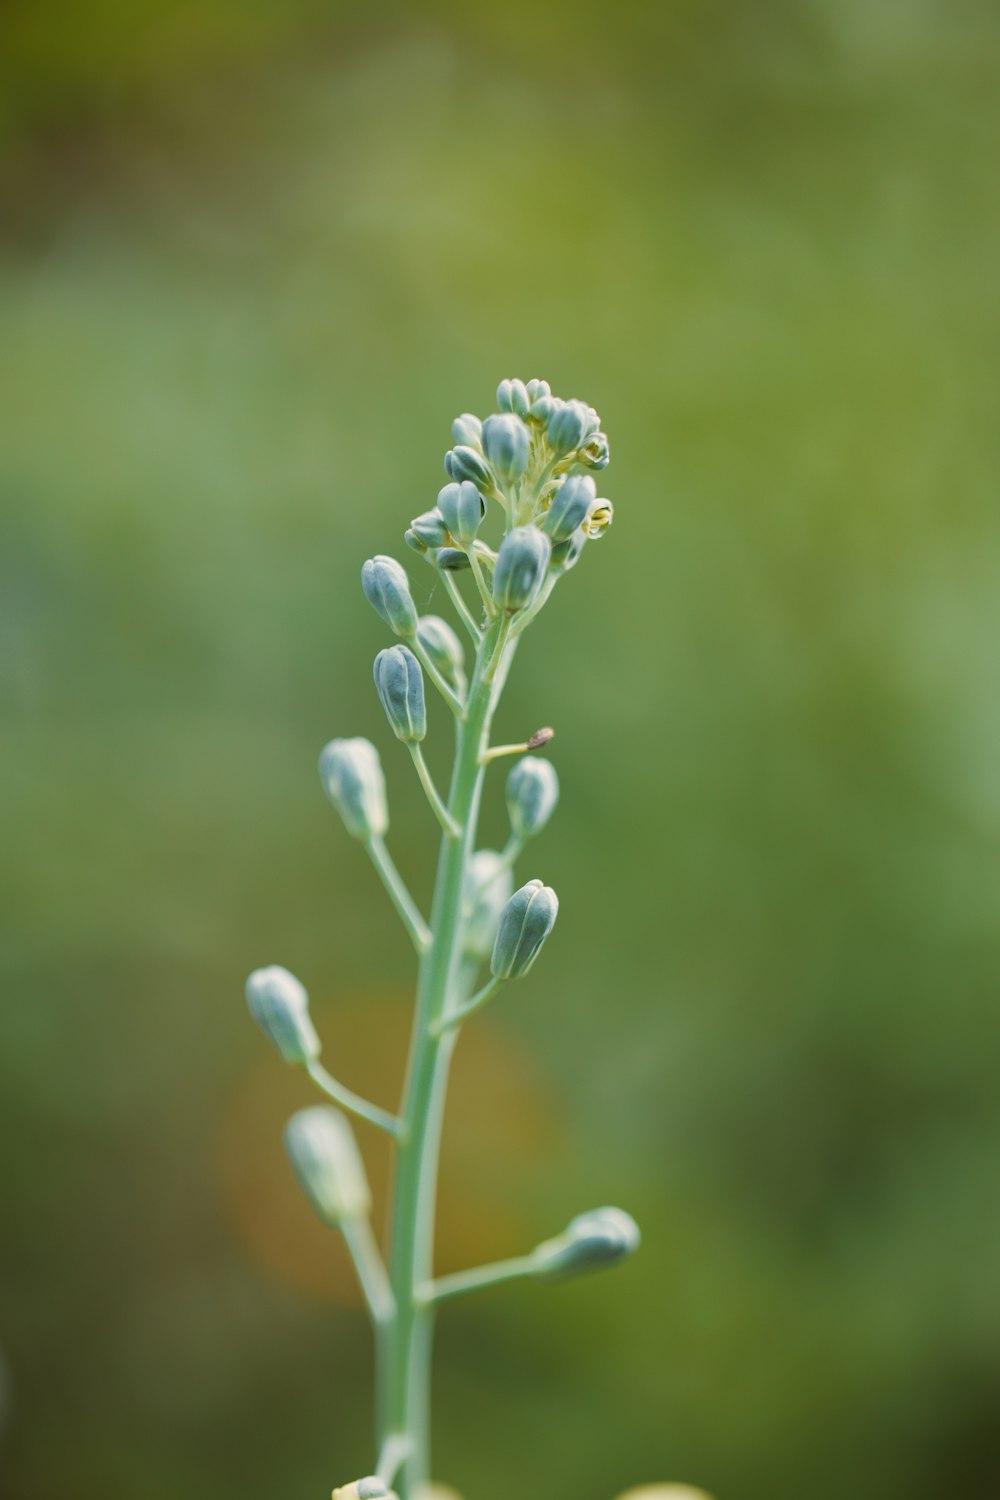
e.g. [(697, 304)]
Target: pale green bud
[(525, 923), (280, 1006), (411, 539), (387, 590), (595, 452), (507, 445), (512, 395), (543, 408), (444, 648), (489, 884), (452, 559), (463, 509), (569, 424), (430, 528), (602, 513), (567, 554), (532, 794), (570, 507), (467, 431), (520, 567), (536, 389), (464, 462), (326, 1160), (351, 773), (399, 682), (591, 1240)]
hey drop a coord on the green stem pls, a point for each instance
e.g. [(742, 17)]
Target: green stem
[(461, 1282), (411, 1264), (464, 612), (441, 812), (347, 1099), (469, 1008), (398, 894)]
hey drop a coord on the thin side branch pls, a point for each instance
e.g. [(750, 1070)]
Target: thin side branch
[(398, 894), (442, 814), (456, 1017), (371, 1270), (446, 1287), (462, 609), (347, 1099)]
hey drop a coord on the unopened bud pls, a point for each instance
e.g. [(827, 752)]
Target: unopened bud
[(570, 507), (399, 682), (444, 648), (532, 794), (462, 508), (451, 559), (569, 424), (463, 462), (489, 883), (326, 1160), (567, 554), (591, 1240), (387, 590), (280, 1006), (536, 389), (467, 431), (512, 395), (544, 407), (351, 773), (520, 567), (507, 445), (525, 923), (601, 515), (430, 528)]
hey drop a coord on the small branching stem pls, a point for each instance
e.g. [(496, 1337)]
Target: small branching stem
[(398, 893), (444, 817), (348, 1100), (461, 608), (447, 692), (446, 1287), (469, 1008)]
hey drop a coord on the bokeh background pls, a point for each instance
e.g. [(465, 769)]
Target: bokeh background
[(254, 258)]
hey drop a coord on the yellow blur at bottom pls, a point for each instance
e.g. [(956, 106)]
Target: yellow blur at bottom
[(664, 1492)]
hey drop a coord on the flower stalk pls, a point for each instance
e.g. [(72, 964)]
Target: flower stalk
[(532, 459)]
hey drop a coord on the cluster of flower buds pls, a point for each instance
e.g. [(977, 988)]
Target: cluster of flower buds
[(536, 457), (326, 1160)]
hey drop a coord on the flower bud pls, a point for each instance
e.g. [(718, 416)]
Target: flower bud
[(512, 395), (591, 1240), (326, 1160), (387, 590), (532, 794), (352, 778), (567, 554), (467, 431), (464, 462), (595, 452), (665, 1492), (507, 445), (543, 408), (489, 883), (462, 508), (399, 682), (568, 425), (570, 507), (525, 923), (444, 649), (280, 1006), (430, 528), (411, 539), (602, 513), (536, 389), (451, 558), (520, 567)]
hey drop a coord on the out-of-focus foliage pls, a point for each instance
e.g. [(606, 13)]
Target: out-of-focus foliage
[(254, 259)]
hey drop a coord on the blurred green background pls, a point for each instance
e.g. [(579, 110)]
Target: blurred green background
[(254, 258)]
